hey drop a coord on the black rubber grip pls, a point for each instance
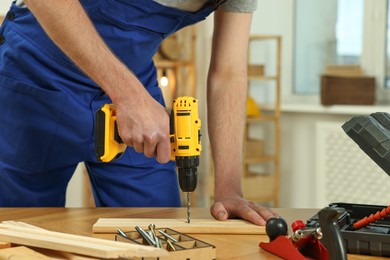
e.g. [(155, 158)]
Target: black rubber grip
[(116, 134), (332, 240), (100, 120)]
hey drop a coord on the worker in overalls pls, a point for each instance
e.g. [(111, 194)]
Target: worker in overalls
[(60, 60)]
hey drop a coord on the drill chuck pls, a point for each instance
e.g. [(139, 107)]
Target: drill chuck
[(188, 179), (188, 172)]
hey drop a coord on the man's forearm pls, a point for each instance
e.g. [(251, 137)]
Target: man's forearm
[(67, 24), (227, 91), (226, 128)]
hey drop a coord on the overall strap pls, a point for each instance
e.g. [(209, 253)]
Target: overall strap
[(214, 3)]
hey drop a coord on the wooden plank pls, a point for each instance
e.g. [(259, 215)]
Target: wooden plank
[(20, 224), (63, 255), (21, 253), (83, 245), (47, 252), (5, 244), (191, 254), (197, 226)]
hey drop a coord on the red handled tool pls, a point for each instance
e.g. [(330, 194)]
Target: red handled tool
[(302, 244), (305, 241)]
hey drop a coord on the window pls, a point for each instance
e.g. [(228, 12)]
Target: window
[(326, 33), (349, 31)]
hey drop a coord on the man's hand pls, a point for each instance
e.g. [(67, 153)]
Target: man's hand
[(236, 207), (144, 125)]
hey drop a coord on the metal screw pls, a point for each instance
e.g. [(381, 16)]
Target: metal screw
[(120, 232), (167, 236), (152, 237), (145, 236), (158, 242), (151, 228), (171, 245)]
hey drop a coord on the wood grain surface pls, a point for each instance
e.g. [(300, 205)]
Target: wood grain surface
[(81, 220), (21, 253), (197, 226)]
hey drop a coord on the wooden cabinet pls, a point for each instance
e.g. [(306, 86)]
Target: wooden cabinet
[(261, 162)]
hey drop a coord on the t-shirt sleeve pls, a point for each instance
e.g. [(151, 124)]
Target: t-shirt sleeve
[(239, 6)]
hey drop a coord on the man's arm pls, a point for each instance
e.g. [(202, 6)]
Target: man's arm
[(226, 98), (143, 123)]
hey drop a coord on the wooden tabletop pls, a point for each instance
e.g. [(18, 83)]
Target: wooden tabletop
[(80, 221)]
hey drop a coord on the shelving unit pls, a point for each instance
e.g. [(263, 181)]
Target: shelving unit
[(261, 173)]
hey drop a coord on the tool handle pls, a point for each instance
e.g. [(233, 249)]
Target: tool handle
[(275, 227), (332, 238)]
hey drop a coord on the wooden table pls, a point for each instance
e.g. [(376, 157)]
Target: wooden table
[(80, 221)]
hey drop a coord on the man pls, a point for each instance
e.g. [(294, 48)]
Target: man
[(62, 59)]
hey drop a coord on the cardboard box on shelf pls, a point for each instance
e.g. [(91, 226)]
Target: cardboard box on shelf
[(346, 85)]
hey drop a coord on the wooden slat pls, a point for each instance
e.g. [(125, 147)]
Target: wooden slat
[(20, 224), (197, 226), (21, 253), (75, 244), (4, 244), (47, 252)]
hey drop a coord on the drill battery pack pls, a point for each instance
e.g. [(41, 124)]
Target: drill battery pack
[(373, 239), (108, 143)]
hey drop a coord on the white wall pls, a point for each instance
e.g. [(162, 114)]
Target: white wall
[(4, 6)]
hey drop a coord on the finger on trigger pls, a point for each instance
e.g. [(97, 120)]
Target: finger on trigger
[(163, 151)]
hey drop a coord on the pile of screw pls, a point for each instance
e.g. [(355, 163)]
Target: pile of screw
[(151, 238)]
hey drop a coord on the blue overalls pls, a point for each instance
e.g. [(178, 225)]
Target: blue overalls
[(48, 108)]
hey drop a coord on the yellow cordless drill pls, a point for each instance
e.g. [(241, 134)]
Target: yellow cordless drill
[(185, 141)]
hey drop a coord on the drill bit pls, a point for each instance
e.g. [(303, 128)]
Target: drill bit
[(188, 208)]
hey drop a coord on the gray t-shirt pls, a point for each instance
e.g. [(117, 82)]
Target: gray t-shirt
[(237, 6)]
